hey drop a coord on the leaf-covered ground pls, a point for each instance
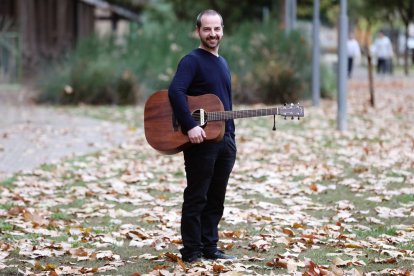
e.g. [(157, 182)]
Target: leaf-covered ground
[(303, 199)]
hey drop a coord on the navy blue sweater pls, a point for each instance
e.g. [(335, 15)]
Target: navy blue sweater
[(198, 73)]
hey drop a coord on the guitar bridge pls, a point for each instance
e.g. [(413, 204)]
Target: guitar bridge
[(202, 119)]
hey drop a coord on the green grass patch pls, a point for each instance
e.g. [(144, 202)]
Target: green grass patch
[(77, 183), (76, 203), (48, 167), (5, 226), (8, 182), (6, 206), (320, 255), (406, 246), (59, 239), (61, 216), (405, 198), (376, 231)]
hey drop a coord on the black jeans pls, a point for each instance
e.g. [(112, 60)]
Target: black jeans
[(381, 66), (350, 65), (208, 167)]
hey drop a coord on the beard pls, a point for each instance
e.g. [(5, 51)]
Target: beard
[(211, 42)]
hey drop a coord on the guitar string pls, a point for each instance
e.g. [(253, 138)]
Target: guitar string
[(229, 114), (234, 114)]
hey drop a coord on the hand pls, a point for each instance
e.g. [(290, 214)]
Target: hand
[(196, 135)]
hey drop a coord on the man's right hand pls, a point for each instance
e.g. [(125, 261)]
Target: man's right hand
[(196, 135)]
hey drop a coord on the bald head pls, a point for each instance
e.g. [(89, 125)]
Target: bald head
[(207, 12)]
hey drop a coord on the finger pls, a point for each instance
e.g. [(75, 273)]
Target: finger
[(195, 140)]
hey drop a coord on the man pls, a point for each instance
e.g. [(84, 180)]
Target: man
[(354, 53), (383, 50), (207, 165)]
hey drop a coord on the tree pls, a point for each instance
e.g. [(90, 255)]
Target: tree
[(329, 11), (393, 12), (405, 9), (233, 11), (361, 9)]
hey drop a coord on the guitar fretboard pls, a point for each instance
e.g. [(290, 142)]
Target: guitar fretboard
[(225, 115)]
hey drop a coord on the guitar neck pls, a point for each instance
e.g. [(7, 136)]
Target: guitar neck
[(225, 115)]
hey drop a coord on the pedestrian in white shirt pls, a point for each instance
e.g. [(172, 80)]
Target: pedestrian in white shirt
[(383, 51), (354, 53)]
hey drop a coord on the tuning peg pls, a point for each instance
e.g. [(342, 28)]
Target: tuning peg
[(292, 118), (285, 104), (298, 118), (285, 117)]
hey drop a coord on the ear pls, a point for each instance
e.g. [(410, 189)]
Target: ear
[(196, 33)]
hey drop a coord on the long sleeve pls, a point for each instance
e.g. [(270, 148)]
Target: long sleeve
[(199, 73), (177, 92)]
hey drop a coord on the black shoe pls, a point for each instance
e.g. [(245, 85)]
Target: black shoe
[(192, 259), (219, 255)]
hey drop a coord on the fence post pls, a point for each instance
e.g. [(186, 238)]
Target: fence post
[(342, 67), (316, 52)]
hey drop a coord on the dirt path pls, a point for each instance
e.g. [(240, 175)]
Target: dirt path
[(31, 135)]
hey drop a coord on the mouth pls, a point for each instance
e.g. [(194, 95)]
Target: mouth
[(213, 39)]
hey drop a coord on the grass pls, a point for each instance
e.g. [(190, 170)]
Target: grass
[(47, 167), (376, 231), (9, 182), (4, 226), (308, 182), (404, 198), (61, 216), (6, 206)]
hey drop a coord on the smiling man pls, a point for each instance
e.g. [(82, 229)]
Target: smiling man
[(207, 165)]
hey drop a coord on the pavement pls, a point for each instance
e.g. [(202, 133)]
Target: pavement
[(32, 135)]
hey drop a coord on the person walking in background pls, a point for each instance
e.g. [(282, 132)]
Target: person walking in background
[(382, 49), (354, 53), (207, 164)]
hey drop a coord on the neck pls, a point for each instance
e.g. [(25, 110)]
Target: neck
[(212, 51)]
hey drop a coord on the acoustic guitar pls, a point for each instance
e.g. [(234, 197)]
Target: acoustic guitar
[(164, 134)]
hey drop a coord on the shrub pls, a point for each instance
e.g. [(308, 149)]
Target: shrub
[(328, 82), (267, 65), (272, 67), (153, 51), (93, 74)]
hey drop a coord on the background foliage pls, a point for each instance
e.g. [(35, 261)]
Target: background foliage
[(267, 64)]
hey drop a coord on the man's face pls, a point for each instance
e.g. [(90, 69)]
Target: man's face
[(210, 31)]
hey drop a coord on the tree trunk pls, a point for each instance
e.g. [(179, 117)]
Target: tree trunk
[(406, 50), (27, 26), (369, 67), (49, 29), (370, 81), (281, 13)]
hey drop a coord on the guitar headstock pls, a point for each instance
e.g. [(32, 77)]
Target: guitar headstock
[(292, 111)]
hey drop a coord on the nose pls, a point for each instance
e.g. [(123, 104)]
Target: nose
[(212, 33)]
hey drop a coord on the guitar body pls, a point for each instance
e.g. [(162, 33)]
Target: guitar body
[(161, 129)]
